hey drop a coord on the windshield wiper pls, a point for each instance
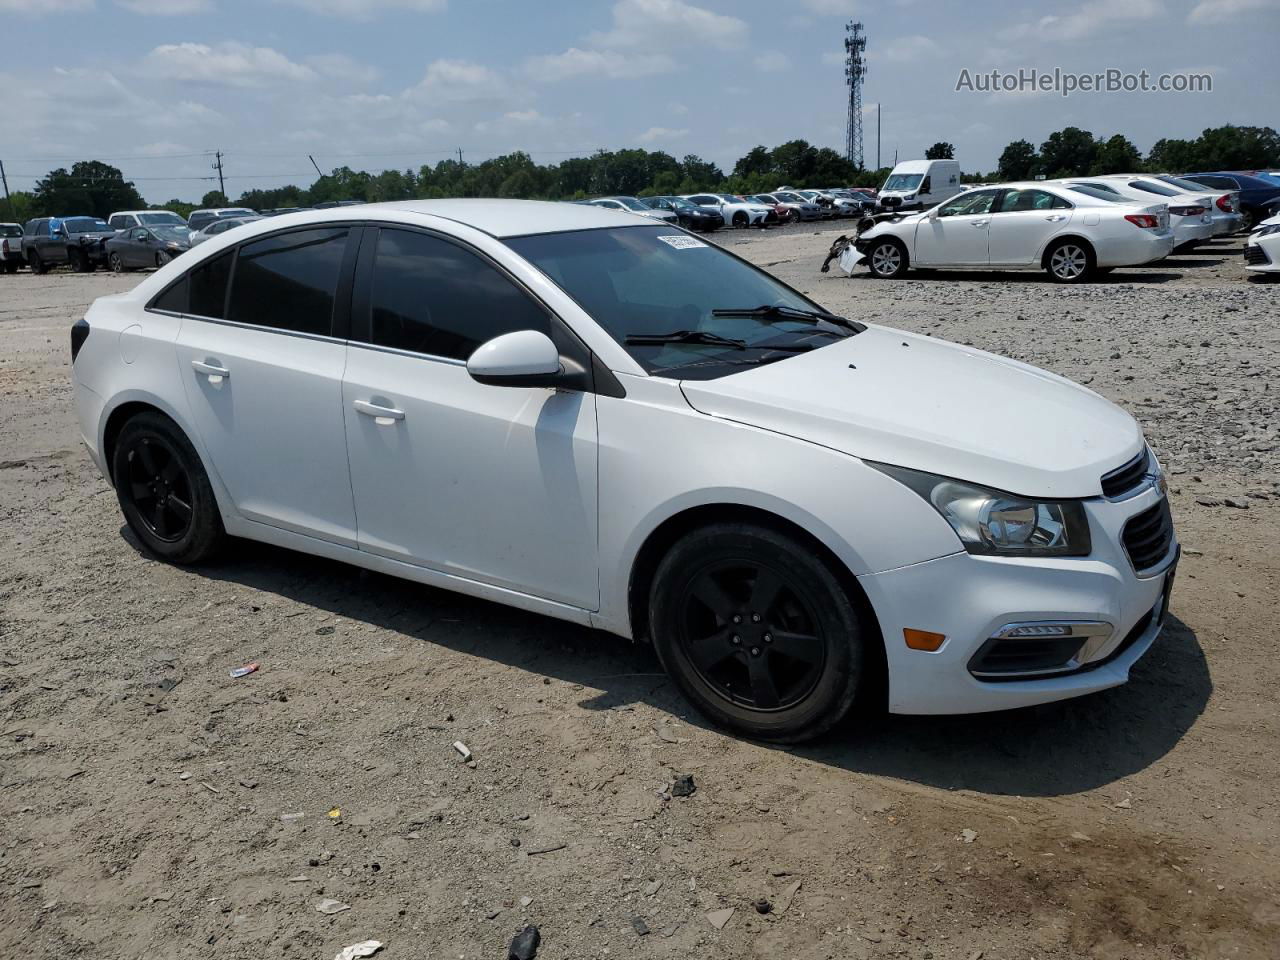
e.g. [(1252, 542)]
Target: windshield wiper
[(699, 337), (774, 311)]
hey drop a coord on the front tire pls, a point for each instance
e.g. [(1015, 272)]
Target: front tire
[(740, 219), (758, 632), (887, 259), (164, 491), (162, 258), (38, 265), (79, 261), (1070, 261), (117, 265)]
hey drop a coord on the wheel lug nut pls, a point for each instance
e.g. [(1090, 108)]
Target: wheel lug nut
[(737, 640), (768, 638), (755, 651), (755, 618), (737, 618)]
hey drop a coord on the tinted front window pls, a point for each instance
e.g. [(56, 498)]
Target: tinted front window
[(209, 286), (288, 281), (174, 299), (1015, 200), (432, 296), (974, 202), (903, 181), (647, 281)]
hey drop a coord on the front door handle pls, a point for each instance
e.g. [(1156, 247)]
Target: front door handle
[(979, 223), (375, 410), (210, 369)]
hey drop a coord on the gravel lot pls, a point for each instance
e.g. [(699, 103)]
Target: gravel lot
[(148, 803)]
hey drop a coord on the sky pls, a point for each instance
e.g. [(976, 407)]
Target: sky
[(154, 86)]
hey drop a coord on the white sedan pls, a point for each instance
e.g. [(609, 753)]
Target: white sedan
[(1189, 213), (633, 205), (1262, 249), (736, 211), (1071, 234), (612, 422)]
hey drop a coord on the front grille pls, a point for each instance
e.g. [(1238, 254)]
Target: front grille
[(1148, 536), (1255, 255), (1125, 479)]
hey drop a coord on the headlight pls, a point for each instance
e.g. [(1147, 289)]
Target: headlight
[(994, 523), (1268, 230)]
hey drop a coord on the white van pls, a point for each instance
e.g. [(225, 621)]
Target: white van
[(921, 184)]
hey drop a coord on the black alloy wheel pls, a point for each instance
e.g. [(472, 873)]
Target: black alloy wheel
[(164, 492), (759, 631)]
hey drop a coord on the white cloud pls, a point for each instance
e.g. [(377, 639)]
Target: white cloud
[(772, 61), (365, 9), (637, 22), (1220, 11), (833, 58), (907, 49), (227, 64), (50, 6), (460, 81), (166, 8), (339, 66), (605, 63), (654, 134), (831, 6), (1086, 19), (524, 116)]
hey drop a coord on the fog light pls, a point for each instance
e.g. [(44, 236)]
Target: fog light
[(1039, 630), (923, 639)]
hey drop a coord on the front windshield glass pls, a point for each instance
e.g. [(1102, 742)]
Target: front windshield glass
[(789, 198), (161, 217), (85, 225), (631, 203), (238, 212), (170, 231), (648, 281), (903, 181)]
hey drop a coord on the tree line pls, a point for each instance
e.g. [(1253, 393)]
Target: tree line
[(97, 188)]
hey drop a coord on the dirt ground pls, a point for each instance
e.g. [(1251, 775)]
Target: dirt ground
[(151, 806)]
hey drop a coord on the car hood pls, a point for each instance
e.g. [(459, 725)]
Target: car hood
[(929, 405), (94, 235)]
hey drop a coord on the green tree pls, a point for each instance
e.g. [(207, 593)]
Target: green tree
[(940, 151), (1069, 152), (180, 207), (758, 160), (699, 174), (214, 198), (1017, 161), (1238, 148), (90, 187), (22, 206), (1174, 156), (1116, 155)]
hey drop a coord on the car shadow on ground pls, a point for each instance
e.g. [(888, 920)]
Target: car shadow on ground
[(1050, 750), (1119, 275)]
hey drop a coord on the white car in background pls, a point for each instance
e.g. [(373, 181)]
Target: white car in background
[(1227, 218), (124, 219), (736, 212), (11, 247), (633, 205), (1262, 249), (581, 414), (1071, 234), (221, 225), (1189, 216)]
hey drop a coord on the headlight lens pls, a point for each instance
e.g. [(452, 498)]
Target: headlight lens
[(994, 523), (1268, 230)]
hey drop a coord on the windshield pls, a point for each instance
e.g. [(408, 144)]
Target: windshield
[(161, 217), (10, 230), (170, 231), (1151, 187), (903, 181), (86, 225), (237, 212), (1099, 194), (631, 203), (647, 281)]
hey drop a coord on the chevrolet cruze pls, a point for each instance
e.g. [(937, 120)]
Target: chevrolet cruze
[(616, 423)]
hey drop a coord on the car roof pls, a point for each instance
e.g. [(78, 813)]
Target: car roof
[(508, 218)]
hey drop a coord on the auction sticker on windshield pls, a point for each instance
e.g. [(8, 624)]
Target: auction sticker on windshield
[(681, 242)]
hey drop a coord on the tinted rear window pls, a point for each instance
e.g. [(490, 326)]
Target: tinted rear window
[(287, 282), (209, 287)]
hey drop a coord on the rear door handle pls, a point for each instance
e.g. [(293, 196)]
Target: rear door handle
[(210, 369), (979, 223), (375, 410), (1055, 217)]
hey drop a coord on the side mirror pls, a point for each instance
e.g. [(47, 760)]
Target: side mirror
[(933, 213), (525, 358)]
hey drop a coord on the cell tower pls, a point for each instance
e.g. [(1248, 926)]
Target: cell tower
[(855, 68)]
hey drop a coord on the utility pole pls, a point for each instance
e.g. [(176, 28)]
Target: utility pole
[(877, 136), (460, 163), (314, 164), (217, 165), (8, 201)]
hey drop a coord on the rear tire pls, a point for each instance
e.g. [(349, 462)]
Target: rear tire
[(887, 258), (164, 491), (758, 632), (11, 266), (79, 261), (1070, 261)]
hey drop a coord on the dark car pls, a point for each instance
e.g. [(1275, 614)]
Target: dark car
[(1257, 196), (147, 246), (79, 241), (690, 215)]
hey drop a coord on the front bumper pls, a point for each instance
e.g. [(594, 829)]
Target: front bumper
[(970, 599)]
